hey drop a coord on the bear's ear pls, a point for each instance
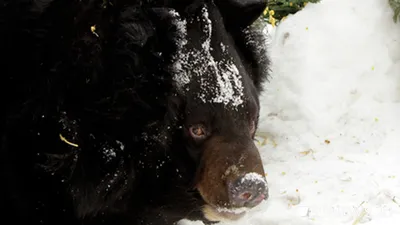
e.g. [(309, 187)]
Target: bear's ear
[(165, 25), (241, 13)]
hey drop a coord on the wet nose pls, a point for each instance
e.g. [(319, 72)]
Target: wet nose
[(248, 190)]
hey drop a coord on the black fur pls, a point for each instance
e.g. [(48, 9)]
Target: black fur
[(91, 119)]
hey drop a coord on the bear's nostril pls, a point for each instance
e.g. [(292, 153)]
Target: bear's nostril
[(246, 195)]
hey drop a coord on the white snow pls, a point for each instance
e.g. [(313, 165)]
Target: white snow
[(331, 118), (255, 177), (109, 153), (181, 77), (234, 211)]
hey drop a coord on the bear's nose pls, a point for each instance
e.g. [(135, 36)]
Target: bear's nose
[(248, 190)]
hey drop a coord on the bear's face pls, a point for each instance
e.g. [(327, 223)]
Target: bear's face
[(217, 75), (114, 139)]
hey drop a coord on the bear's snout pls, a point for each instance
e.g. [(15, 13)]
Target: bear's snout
[(231, 179)]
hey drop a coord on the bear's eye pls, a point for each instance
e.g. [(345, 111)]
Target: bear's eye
[(197, 131)]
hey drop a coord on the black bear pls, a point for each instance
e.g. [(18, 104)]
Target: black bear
[(128, 112)]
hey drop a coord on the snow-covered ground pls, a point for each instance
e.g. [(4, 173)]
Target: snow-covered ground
[(331, 115)]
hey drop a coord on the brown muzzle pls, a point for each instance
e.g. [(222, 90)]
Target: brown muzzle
[(231, 179)]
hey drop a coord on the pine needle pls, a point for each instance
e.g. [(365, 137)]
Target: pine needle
[(278, 10), (395, 4), (360, 217), (66, 141)]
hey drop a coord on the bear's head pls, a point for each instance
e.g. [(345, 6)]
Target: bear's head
[(218, 70), (104, 74)]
